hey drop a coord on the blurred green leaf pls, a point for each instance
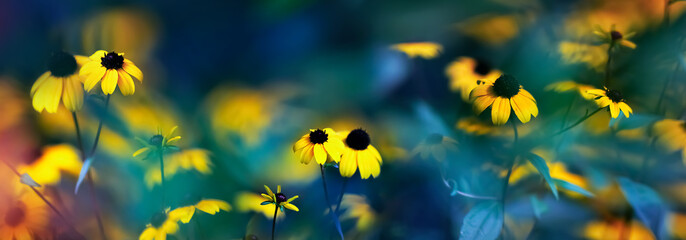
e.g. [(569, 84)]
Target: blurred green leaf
[(484, 221), (569, 186), (456, 190), (538, 206), (647, 203), (82, 174), (542, 168)]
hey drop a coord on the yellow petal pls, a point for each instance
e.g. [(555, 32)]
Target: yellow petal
[(614, 110), (628, 44), (291, 207), (174, 139), (212, 206), (94, 78), (184, 214), (269, 190), (363, 164), (375, 153), (109, 82), (141, 151), (483, 102), (520, 109), (348, 164), (132, 69), (148, 234), (89, 68), (333, 150), (39, 82), (319, 154), (301, 143), (500, 111), (306, 154), (98, 55), (72, 93), (125, 83), (625, 109)]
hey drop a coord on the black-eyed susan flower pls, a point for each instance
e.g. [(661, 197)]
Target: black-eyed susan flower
[(670, 134), (53, 163), (614, 37), (492, 29), (466, 73), (279, 199), (251, 202), (162, 224), (504, 96), (320, 145), (567, 86), (158, 143), (110, 69), (60, 83), (210, 206), (436, 146), (426, 50), (24, 218), (197, 160), (359, 153), (612, 99)]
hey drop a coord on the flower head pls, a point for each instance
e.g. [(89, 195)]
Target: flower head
[(426, 50), (466, 73), (614, 37), (320, 144), (162, 223), (210, 206), (436, 146), (670, 134), (279, 199), (613, 99), (504, 96), (60, 82), (110, 69), (24, 218), (359, 153), (566, 86), (158, 142)]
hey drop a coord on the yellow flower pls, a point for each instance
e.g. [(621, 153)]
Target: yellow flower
[(617, 229), (504, 96), (157, 143), (47, 170), (24, 218), (566, 86), (426, 50), (320, 145), (614, 37), (593, 56), (211, 206), (110, 69), (359, 153), (466, 73), (356, 207), (60, 82), (612, 99), (248, 201), (436, 146), (279, 199), (491, 29), (671, 136), (162, 224), (190, 159)]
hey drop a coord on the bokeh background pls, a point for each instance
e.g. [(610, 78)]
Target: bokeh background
[(244, 80)]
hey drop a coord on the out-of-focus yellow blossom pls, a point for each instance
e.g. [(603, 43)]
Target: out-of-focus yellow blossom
[(359, 153), (426, 50), (617, 229), (676, 222), (494, 29), (188, 160), (115, 144), (251, 202), (13, 105), (466, 73), (211, 206), (593, 56), (61, 82), (636, 15), (288, 170), (671, 136), (279, 199), (110, 69), (356, 207), (158, 143), (47, 170), (473, 125), (566, 86), (436, 146), (558, 170), (321, 145), (614, 37), (129, 30), (140, 112), (504, 96), (612, 99), (25, 217), (163, 223)]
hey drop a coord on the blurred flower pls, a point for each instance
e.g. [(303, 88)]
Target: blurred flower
[(466, 73), (676, 222), (248, 201), (614, 37), (60, 82), (211, 206), (491, 29), (190, 159), (557, 169), (279, 199), (356, 207), (612, 99), (110, 69), (319, 144), (504, 96), (163, 223), (157, 144), (130, 30), (25, 217), (13, 104), (670, 134), (566, 86), (593, 56), (426, 50), (617, 229), (47, 170), (359, 153), (436, 146)]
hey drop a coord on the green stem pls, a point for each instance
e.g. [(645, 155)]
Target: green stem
[(340, 197), (326, 195), (511, 166), (97, 134), (584, 118), (608, 65), (276, 211), (162, 175)]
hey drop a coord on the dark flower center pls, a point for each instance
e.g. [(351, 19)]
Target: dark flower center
[(112, 60), (614, 95), (482, 68), (358, 139), (506, 86), (15, 216), (281, 198), (616, 35), (158, 219), (156, 140), (318, 136), (62, 64), (434, 139)]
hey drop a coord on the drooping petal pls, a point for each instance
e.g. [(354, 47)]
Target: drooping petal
[(625, 109), (319, 154), (363, 160), (375, 153), (520, 108), (125, 83), (614, 110), (148, 234), (94, 78), (132, 69), (334, 152), (301, 143), (183, 214), (109, 82), (39, 82), (212, 206), (348, 164), (89, 68), (72, 93), (500, 111), (98, 55), (526, 94), (291, 207), (306, 154), (141, 151), (483, 102)]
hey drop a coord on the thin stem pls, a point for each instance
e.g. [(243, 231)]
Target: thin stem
[(608, 65), (511, 167), (665, 19), (340, 197), (97, 134), (569, 109), (78, 134), (162, 174), (276, 211), (326, 196), (584, 118)]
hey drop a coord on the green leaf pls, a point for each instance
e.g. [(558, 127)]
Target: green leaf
[(28, 180), (648, 205), (456, 190), (569, 186), (542, 168), (484, 221), (266, 203), (538, 206), (84, 170)]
